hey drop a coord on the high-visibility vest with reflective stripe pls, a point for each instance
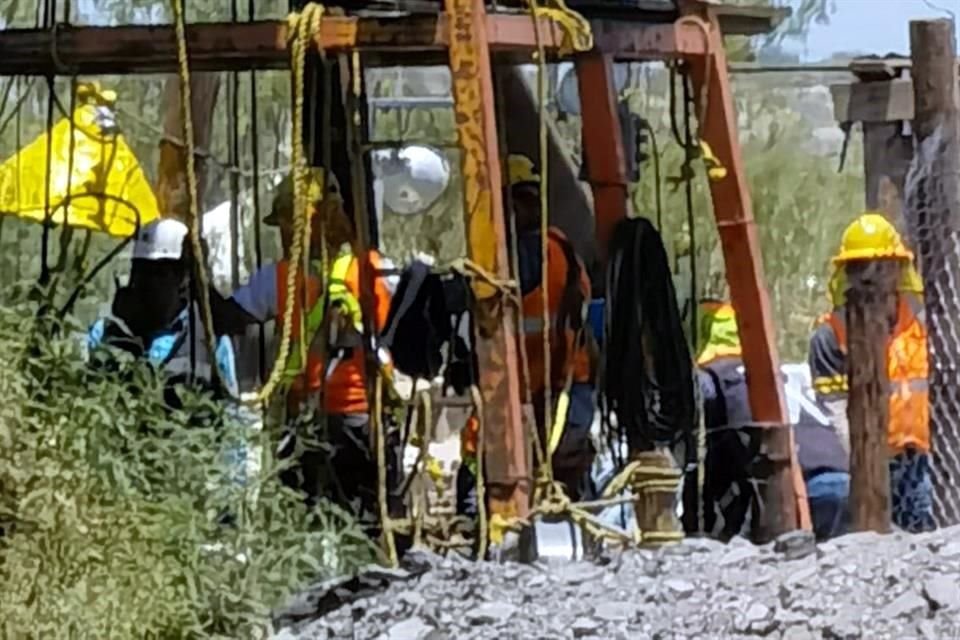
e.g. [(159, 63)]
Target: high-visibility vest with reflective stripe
[(340, 295), (907, 370), (574, 355), (345, 386)]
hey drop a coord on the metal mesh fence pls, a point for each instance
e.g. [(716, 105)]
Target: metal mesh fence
[(932, 209)]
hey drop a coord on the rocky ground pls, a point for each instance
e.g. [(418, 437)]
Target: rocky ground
[(859, 586)]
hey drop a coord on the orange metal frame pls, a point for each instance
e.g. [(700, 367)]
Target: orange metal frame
[(470, 36), (699, 41)]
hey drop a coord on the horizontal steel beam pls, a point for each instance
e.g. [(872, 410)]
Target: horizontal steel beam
[(629, 41), (228, 46)]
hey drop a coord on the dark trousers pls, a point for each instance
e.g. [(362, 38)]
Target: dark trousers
[(828, 494), (334, 460)]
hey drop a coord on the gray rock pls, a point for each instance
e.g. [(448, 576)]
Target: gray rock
[(410, 629), (491, 613), (842, 628), (795, 545), (949, 550), (800, 576), (907, 604), (799, 632), (860, 538), (412, 599), (758, 619), (680, 588), (739, 555), (576, 573), (583, 627), (704, 545), (615, 611), (928, 630), (942, 591)]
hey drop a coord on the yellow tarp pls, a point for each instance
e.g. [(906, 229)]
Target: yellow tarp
[(104, 190)]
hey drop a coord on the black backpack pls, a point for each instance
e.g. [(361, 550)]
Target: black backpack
[(430, 311)]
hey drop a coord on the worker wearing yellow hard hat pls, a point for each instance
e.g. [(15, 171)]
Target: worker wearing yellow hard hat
[(871, 237), (326, 394)]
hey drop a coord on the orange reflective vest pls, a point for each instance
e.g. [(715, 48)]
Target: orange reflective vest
[(566, 350), (345, 388), (907, 370)]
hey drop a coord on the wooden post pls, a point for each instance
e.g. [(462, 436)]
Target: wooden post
[(933, 205), (882, 101), (886, 158), (171, 189), (871, 313)]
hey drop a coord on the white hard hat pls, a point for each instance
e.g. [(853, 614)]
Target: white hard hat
[(160, 239)]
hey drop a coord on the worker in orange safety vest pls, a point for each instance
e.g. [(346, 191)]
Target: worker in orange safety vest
[(871, 237), (332, 382), (572, 350)]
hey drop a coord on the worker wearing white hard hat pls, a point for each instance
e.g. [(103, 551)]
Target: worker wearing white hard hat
[(150, 317)]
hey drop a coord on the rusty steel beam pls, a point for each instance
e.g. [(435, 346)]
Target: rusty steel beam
[(631, 41), (602, 145), (507, 460), (234, 46), (739, 240)]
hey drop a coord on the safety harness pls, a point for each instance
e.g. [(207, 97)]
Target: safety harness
[(338, 296)]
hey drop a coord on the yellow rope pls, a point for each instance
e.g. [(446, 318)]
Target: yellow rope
[(193, 215), (303, 27), (386, 525), (545, 462), (482, 533)]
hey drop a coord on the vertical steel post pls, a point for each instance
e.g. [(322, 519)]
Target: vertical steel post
[(602, 144), (507, 460), (744, 263)]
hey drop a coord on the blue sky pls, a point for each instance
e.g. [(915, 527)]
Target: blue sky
[(871, 26)]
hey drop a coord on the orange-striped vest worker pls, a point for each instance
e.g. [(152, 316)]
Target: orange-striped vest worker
[(566, 352), (907, 369), (345, 389)]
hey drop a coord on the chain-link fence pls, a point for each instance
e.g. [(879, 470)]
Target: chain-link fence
[(932, 209)]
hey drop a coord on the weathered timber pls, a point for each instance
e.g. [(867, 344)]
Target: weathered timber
[(933, 209)]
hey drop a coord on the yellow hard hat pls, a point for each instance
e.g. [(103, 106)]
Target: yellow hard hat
[(283, 197), (871, 237), (521, 170)]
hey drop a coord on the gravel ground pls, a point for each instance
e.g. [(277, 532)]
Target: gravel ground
[(859, 586)]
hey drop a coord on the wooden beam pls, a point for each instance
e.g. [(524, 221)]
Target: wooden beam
[(871, 305), (887, 152), (234, 46), (933, 207), (882, 101)]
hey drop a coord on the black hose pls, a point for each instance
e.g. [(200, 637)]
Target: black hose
[(647, 379)]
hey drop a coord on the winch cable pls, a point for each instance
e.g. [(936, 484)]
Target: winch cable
[(656, 407)]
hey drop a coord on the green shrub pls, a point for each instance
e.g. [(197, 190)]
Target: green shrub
[(110, 503)]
